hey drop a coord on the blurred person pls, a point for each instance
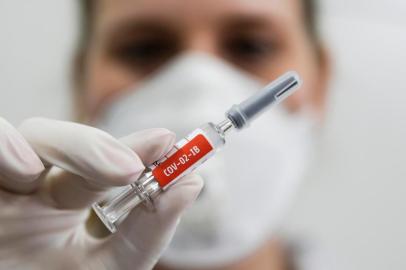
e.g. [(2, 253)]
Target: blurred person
[(173, 64), (178, 64)]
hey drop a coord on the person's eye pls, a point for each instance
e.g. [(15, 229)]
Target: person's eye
[(249, 49), (144, 53)]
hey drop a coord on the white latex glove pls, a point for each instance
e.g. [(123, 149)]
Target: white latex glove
[(43, 209)]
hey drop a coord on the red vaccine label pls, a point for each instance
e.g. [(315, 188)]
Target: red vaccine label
[(182, 160)]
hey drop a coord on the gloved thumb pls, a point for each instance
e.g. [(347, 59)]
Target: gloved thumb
[(146, 234)]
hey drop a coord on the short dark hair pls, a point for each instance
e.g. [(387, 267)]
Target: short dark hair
[(87, 9)]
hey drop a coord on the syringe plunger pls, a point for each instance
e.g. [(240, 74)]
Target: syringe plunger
[(242, 114)]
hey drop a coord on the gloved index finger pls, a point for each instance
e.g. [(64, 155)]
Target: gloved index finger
[(91, 160), (82, 150)]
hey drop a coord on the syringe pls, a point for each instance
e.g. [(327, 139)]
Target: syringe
[(192, 151)]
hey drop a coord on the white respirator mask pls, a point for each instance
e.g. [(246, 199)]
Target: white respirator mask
[(248, 185)]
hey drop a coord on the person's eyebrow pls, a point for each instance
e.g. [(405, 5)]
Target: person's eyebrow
[(250, 21), (138, 25)]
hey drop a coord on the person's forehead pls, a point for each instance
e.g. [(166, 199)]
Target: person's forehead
[(116, 11)]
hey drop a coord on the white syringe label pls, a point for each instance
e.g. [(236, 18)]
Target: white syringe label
[(187, 154)]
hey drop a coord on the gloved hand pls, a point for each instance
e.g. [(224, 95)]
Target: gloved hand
[(50, 174)]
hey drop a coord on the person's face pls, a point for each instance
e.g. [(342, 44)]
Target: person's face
[(133, 38)]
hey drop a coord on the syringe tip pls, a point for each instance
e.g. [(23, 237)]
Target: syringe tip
[(275, 92)]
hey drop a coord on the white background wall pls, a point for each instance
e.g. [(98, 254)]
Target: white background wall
[(355, 199), (36, 40), (354, 202)]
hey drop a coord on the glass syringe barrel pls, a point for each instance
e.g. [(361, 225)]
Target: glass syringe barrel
[(192, 151)]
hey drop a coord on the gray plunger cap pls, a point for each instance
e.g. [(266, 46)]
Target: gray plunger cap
[(242, 114)]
